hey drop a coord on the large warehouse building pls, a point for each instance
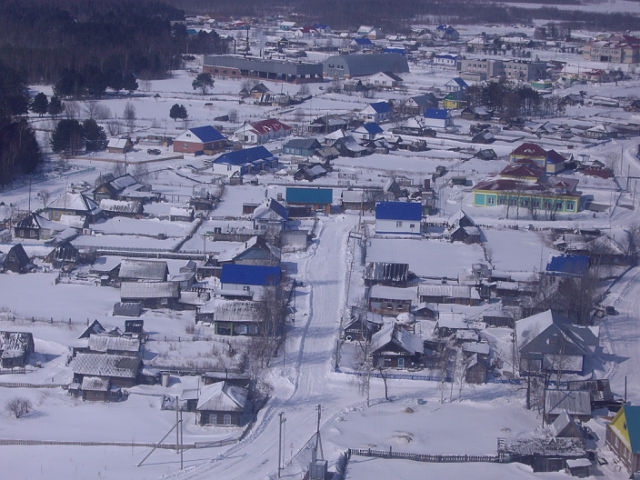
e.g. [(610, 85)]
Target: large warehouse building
[(357, 65), (236, 66)]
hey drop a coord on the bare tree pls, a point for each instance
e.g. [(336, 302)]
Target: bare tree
[(44, 196), (19, 406), (129, 114)]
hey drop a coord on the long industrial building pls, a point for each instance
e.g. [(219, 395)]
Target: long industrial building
[(236, 66)]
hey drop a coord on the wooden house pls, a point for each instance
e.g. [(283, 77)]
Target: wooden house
[(393, 347), (623, 436), (447, 293), (15, 348), (64, 255), (223, 404), (549, 342), (119, 145), (140, 270), (96, 389), (357, 199), (438, 118), (391, 300), (386, 273), (361, 325), (475, 369), (313, 198), (150, 294), (16, 259), (244, 161), (302, 147), (565, 427), (120, 370), (575, 403), (377, 112), (270, 217), (236, 318), (76, 204), (263, 131)]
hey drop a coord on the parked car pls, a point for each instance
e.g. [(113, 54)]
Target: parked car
[(153, 151)]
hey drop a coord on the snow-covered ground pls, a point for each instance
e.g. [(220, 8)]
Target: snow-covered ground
[(422, 417)]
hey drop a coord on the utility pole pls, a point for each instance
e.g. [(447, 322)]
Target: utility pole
[(282, 420)]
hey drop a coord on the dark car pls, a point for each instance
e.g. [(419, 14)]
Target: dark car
[(153, 151)]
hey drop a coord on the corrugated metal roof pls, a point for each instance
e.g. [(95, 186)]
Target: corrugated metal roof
[(264, 65), (250, 274), (222, 397), (207, 134), (148, 290), (399, 211), (106, 365), (244, 156), (153, 270), (575, 402), (313, 196), (437, 113)]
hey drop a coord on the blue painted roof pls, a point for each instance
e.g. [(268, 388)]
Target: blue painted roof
[(632, 416), (207, 134), (399, 211), (250, 274), (569, 264), (362, 41), (448, 56), (399, 50), (439, 113), (244, 156), (381, 107), (280, 209), (372, 128), (312, 196), (461, 83)]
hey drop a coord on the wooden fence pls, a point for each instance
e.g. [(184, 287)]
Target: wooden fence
[(421, 457)]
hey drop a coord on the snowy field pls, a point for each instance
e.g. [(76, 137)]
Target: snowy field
[(422, 417)]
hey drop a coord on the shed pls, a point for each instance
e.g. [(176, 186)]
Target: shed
[(577, 404)]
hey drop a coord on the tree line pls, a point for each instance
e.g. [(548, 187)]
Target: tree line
[(85, 46), (394, 15)]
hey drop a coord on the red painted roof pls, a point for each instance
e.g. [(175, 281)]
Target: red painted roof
[(530, 150), (521, 170), (269, 125)]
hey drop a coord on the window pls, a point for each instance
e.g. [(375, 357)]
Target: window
[(398, 223), (491, 200), (400, 362), (226, 419), (570, 206)]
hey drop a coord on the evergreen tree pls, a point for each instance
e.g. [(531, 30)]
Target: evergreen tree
[(94, 135), (40, 104), (204, 82), (55, 106), (178, 112), (129, 82), (67, 137)]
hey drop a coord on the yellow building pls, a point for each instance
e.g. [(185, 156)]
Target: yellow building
[(623, 436)]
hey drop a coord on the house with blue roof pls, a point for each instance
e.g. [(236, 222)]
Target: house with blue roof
[(623, 436), (403, 218), (376, 112), (270, 217), (568, 265), (438, 118), (199, 140), (361, 43), (315, 198), (248, 281), (367, 131), (244, 161)]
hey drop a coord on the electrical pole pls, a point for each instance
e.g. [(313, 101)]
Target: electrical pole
[(282, 420)]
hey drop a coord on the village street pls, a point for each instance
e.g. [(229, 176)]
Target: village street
[(308, 381)]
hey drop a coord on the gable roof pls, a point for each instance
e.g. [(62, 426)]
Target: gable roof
[(303, 143), (530, 150), (154, 270), (106, 365), (263, 211), (207, 134), (222, 397), (381, 107), (371, 128), (269, 125), (575, 402), (399, 211), (244, 156), (250, 274), (571, 265), (577, 339), (632, 417)]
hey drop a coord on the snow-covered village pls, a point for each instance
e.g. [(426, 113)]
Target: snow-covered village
[(332, 254)]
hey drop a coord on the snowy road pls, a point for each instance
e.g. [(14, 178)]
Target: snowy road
[(304, 379), (620, 335)]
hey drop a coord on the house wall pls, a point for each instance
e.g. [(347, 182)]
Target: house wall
[(542, 202), (620, 447), (188, 147), (398, 226), (207, 417), (389, 306)]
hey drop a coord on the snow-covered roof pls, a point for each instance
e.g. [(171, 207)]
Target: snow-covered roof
[(222, 397), (106, 365)]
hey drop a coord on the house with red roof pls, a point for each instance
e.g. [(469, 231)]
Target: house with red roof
[(550, 161), (257, 133)]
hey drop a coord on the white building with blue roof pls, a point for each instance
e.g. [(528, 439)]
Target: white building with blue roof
[(199, 140), (402, 218)]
